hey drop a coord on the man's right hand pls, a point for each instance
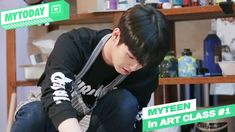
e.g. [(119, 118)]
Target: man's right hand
[(70, 125)]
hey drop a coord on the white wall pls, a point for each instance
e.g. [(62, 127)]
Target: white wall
[(190, 34), (21, 38), (3, 78)]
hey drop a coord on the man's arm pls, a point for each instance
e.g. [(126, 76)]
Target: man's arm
[(62, 64), (70, 125)]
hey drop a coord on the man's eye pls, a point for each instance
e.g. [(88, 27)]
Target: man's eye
[(131, 57)]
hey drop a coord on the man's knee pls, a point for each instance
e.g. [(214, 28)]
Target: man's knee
[(29, 117), (32, 111), (124, 101), (115, 111)]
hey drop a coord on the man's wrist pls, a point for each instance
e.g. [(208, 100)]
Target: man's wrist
[(70, 125)]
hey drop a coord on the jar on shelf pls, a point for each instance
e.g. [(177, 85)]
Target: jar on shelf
[(187, 66), (169, 66)]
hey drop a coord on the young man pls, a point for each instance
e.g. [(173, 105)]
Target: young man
[(108, 74)]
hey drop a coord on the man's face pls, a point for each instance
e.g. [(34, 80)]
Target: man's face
[(123, 60)]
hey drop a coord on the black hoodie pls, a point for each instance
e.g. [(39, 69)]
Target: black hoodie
[(68, 57)]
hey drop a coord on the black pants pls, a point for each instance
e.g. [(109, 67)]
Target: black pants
[(115, 112)]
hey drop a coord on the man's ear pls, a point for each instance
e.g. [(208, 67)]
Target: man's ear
[(116, 35)]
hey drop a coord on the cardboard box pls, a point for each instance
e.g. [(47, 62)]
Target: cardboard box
[(84, 6), (33, 71)]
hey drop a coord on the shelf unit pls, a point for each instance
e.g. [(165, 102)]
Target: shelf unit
[(167, 81), (176, 14), (179, 14)]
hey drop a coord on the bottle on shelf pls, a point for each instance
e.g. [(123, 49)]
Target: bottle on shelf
[(187, 66), (187, 3), (177, 3), (212, 53), (203, 2), (195, 2), (166, 4), (201, 71), (169, 66), (157, 4), (111, 4)]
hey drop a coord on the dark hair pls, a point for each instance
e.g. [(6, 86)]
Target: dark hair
[(146, 33)]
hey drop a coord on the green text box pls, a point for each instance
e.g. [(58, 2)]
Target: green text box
[(189, 117), (34, 15)]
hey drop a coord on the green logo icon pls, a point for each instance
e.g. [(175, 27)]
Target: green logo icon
[(34, 15), (55, 9)]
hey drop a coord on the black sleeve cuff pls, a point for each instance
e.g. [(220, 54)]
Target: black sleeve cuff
[(60, 112)]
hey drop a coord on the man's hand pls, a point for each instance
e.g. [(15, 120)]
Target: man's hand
[(70, 125)]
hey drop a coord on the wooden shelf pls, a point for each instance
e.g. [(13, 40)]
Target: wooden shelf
[(87, 18), (197, 80), (27, 83), (176, 14), (165, 81), (195, 13)]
